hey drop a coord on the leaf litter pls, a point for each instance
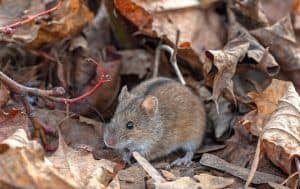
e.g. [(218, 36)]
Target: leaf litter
[(240, 57)]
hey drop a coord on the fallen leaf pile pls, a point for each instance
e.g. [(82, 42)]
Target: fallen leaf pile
[(63, 63)]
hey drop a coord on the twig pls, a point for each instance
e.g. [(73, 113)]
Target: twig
[(103, 78), (53, 94), (173, 59), (9, 29), (254, 164), (297, 162), (290, 177), (148, 168), (215, 162)]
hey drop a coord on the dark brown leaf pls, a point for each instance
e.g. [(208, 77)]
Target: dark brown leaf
[(164, 23), (249, 13), (257, 55), (225, 61), (280, 39)]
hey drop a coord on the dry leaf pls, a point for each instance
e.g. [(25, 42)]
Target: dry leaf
[(280, 39), (82, 167), (69, 20), (137, 62), (11, 121), (213, 182), (132, 177), (225, 61), (249, 13), (277, 186), (266, 103), (276, 9), (183, 182), (23, 165), (114, 184), (168, 175), (157, 22), (257, 55), (4, 95), (280, 138), (14, 11)]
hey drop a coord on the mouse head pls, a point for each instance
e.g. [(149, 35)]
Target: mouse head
[(136, 122)]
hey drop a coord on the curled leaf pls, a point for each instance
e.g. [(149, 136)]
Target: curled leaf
[(225, 61), (280, 39), (257, 54), (23, 165), (281, 135), (249, 13)]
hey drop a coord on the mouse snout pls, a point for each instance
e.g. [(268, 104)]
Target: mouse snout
[(110, 141)]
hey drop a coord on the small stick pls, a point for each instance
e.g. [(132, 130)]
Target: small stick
[(52, 94), (173, 59), (9, 29), (297, 162), (24, 91), (148, 168), (254, 164), (287, 179)]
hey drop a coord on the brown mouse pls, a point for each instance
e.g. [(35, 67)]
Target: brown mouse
[(157, 117)]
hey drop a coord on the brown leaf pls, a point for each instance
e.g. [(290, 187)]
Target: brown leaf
[(183, 182), (82, 167), (257, 55), (65, 21), (163, 23), (114, 184), (4, 95), (240, 147), (213, 182), (249, 13), (225, 61), (276, 9), (14, 11), (168, 175), (81, 76), (280, 138), (137, 62), (277, 186), (11, 121), (266, 103), (69, 20), (105, 97), (23, 165), (280, 39), (132, 177)]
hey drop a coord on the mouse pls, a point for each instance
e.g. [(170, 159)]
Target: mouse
[(155, 118)]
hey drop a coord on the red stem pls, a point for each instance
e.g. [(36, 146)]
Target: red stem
[(8, 29), (92, 90)]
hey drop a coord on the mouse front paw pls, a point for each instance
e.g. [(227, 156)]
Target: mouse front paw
[(186, 160)]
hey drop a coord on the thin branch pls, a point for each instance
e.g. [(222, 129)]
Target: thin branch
[(103, 79), (173, 59), (9, 29), (297, 162), (53, 94), (148, 168)]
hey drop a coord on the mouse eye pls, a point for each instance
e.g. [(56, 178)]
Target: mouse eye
[(129, 125)]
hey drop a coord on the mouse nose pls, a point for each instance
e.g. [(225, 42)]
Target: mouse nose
[(110, 141)]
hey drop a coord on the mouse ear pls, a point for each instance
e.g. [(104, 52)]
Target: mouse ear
[(124, 94), (150, 105)]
